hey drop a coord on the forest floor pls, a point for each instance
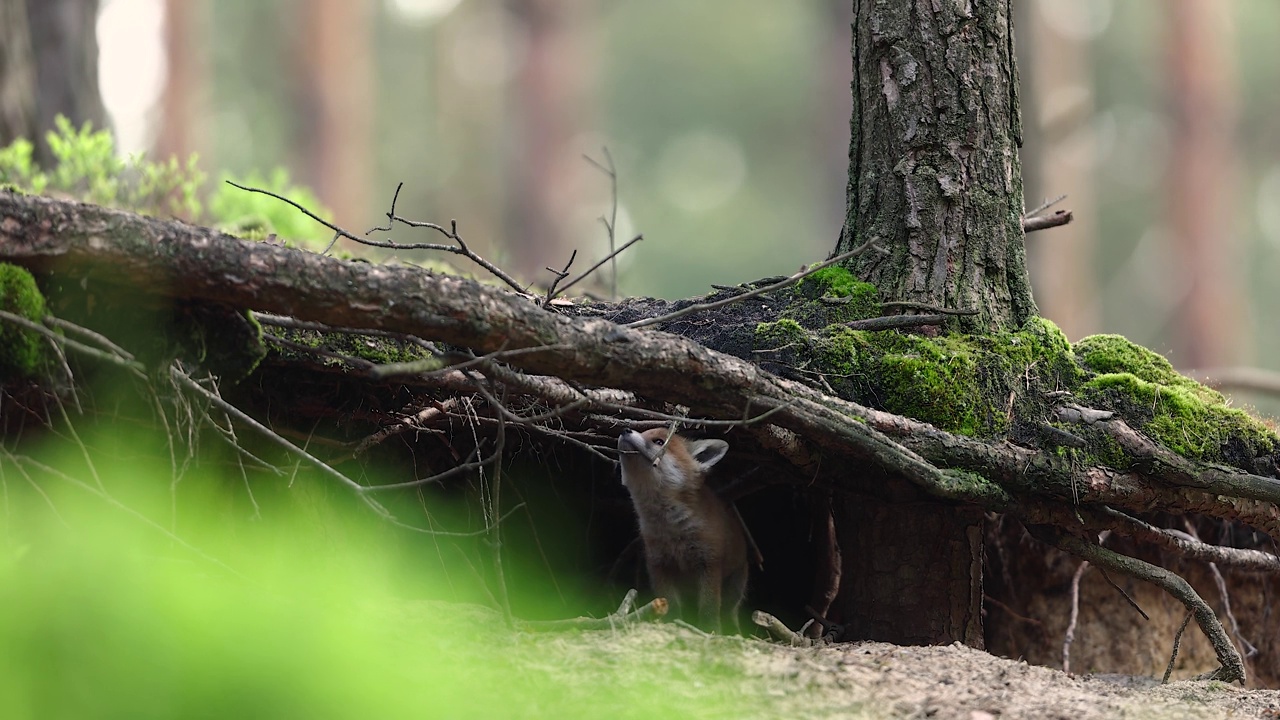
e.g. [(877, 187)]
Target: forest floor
[(665, 670)]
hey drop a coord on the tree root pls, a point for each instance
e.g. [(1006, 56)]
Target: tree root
[(1232, 666)]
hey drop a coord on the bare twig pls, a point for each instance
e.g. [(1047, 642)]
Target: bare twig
[(1177, 643), (108, 356), (611, 223), (1075, 615), (1232, 666), (628, 601), (1249, 649), (653, 610), (1128, 598), (560, 275), (613, 254), (452, 233), (779, 630), (1044, 222), (1191, 548), (1032, 221), (1048, 203), (894, 322)]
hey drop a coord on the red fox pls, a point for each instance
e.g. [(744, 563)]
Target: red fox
[(694, 543)]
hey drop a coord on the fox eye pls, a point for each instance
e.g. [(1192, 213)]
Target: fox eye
[(660, 441)]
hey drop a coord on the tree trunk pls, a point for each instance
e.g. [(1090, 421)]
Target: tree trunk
[(548, 105), (185, 100), (335, 94), (934, 175), (934, 179), (65, 44), (1203, 100), (17, 74)]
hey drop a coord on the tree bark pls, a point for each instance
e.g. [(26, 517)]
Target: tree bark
[(934, 180), (17, 74), (65, 43), (934, 176)]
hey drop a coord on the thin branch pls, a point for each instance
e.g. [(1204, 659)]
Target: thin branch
[(1177, 643), (560, 275), (1249, 649), (611, 224), (1128, 598), (1070, 635), (1044, 222), (926, 307), (432, 367), (1232, 666), (235, 412), (613, 254), (787, 282), (466, 467), (653, 610), (452, 234), (780, 631), (136, 367), (1190, 548), (102, 340), (1044, 206), (895, 322)]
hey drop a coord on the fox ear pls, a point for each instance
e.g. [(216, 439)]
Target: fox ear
[(707, 452)]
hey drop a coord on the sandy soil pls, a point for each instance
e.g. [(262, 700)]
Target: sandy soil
[(878, 680)]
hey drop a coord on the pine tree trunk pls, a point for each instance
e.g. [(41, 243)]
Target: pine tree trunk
[(934, 175), (934, 179)]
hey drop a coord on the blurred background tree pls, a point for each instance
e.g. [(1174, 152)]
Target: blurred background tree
[(728, 121)]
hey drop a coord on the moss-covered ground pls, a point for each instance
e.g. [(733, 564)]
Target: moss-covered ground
[(993, 385)]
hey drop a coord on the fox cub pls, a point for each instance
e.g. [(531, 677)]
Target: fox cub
[(694, 543)]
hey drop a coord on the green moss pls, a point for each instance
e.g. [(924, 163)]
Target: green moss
[(1107, 354), (987, 385), (1178, 412), (1187, 421), (779, 333), (832, 295), (22, 352), (958, 382), (930, 379), (835, 281), (377, 350)]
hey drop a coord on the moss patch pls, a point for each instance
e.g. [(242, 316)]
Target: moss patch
[(1176, 411), (1184, 419), (958, 382), (832, 295), (1109, 354), (22, 352)]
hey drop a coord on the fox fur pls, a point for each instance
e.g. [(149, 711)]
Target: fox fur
[(694, 544)]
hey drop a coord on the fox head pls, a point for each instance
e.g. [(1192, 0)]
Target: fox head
[(683, 465)]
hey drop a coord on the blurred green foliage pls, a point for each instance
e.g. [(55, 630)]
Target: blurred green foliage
[(129, 593), (88, 168), (255, 215)]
